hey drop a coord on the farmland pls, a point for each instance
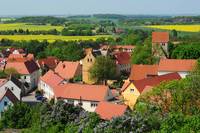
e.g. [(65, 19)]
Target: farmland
[(50, 38), (184, 28), (30, 27)]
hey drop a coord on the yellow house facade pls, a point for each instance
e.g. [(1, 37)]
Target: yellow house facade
[(130, 95)]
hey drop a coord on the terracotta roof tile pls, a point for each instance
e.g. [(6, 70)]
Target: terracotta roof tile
[(122, 58), (81, 91), (22, 66), (50, 62), (107, 110), (143, 71), (51, 78), (160, 37), (176, 65), (67, 69), (152, 82)]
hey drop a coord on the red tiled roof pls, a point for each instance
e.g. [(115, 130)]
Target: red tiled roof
[(2, 81), (22, 66), (10, 96), (50, 61), (67, 69), (20, 56), (107, 110), (125, 85), (51, 78), (81, 91), (151, 82), (122, 58), (123, 47), (142, 71), (160, 37), (175, 65)]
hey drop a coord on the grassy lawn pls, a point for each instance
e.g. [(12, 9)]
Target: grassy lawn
[(51, 38)]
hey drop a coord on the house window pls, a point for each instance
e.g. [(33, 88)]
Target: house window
[(131, 90), (12, 88), (70, 101), (163, 44), (88, 60), (94, 104), (24, 77), (6, 88), (5, 103)]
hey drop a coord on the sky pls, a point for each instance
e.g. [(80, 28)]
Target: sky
[(82, 7)]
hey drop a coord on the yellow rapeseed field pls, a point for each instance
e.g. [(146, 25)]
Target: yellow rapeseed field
[(30, 27), (50, 38), (185, 28)]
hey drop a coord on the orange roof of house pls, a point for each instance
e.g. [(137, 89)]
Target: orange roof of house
[(125, 85), (81, 91), (20, 56), (51, 78), (122, 58), (142, 71), (2, 81), (175, 65), (107, 110), (147, 83), (50, 61), (160, 37), (22, 66), (67, 69)]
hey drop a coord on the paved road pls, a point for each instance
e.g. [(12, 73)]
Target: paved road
[(30, 99)]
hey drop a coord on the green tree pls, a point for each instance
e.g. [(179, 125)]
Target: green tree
[(18, 116), (103, 69)]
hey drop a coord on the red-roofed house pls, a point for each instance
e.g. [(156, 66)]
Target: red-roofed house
[(49, 62), (21, 56), (28, 69), (133, 89), (107, 110), (48, 81), (87, 96), (123, 61), (182, 66), (139, 72), (69, 70), (7, 99), (160, 40)]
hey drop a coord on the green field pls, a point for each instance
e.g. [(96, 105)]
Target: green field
[(30, 27), (51, 38)]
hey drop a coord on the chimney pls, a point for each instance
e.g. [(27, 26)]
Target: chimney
[(64, 66)]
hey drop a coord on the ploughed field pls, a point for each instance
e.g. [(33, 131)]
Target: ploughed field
[(30, 27), (184, 28), (50, 38)]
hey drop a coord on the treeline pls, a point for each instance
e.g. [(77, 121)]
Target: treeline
[(43, 20), (28, 32), (72, 50)]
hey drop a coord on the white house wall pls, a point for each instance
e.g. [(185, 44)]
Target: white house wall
[(182, 74)]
